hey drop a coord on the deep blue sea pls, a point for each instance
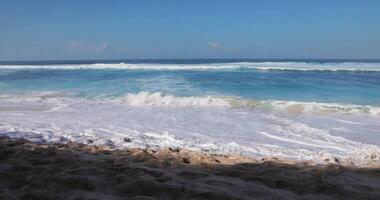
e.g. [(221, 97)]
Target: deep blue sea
[(290, 108)]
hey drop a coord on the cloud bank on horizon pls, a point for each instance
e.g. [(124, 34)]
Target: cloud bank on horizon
[(48, 30)]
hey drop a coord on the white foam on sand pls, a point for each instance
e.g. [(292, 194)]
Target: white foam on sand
[(154, 120)]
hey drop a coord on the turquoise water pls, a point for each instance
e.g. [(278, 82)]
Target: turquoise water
[(355, 85)]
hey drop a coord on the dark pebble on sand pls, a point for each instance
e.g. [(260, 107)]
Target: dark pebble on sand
[(186, 160)]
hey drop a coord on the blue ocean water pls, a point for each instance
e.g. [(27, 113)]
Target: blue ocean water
[(347, 82)]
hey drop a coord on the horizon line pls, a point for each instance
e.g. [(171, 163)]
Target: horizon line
[(184, 59)]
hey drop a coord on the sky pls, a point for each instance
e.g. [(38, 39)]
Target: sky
[(149, 29)]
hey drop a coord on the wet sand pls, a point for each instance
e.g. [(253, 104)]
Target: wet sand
[(74, 171)]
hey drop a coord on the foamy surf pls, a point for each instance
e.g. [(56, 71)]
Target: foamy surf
[(293, 66), (160, 99), (224, 125), (255, 109)]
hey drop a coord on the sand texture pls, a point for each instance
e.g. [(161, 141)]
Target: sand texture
[(75, 171)]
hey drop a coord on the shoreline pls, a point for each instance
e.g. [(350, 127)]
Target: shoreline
[(76, 171), (291, 130)]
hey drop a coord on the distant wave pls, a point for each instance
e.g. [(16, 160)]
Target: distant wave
[(159, 99), (297, 66)]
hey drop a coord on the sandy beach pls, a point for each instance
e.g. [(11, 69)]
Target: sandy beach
[(75, 171), (189, 100)]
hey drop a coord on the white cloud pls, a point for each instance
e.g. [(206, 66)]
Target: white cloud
[(78, 45), (215, 45), (75, 44)]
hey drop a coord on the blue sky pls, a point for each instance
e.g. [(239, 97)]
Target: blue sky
[(99, 29)]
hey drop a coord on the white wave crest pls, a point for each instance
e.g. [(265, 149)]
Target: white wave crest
[(299, 107), (160, 99), (314, 66), (299, 66)]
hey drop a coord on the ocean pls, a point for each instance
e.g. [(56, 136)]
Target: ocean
[(297, 109)]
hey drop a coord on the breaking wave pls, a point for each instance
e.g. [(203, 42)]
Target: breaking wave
[(298, 66), (206, 124), (160, 99)]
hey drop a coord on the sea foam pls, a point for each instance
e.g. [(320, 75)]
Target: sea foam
[(160, 99), (153, 120), (144, 98), (298, 66)]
